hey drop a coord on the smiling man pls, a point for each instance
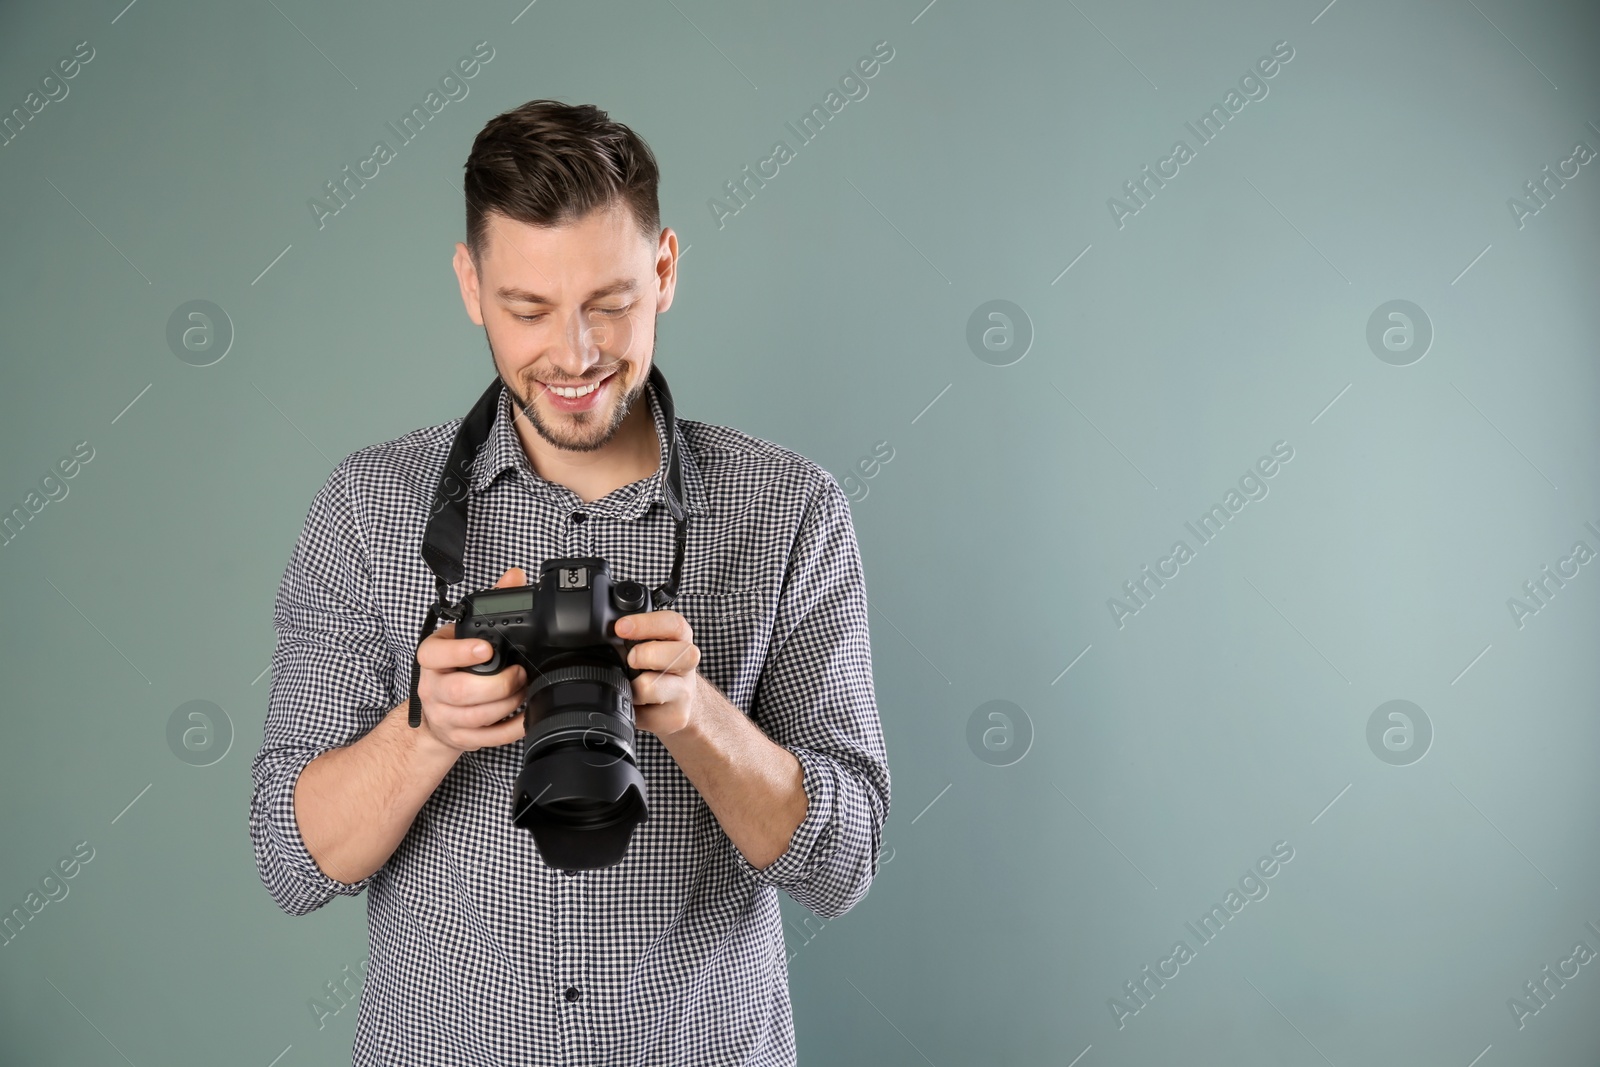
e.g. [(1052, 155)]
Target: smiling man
[(758, 732)]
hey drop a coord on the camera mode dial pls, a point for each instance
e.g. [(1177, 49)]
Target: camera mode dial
[(629, 596)]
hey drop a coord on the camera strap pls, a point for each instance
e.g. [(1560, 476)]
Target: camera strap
[(444, 541)]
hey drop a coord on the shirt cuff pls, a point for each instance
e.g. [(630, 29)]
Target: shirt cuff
[(813, 840), (284, 831)]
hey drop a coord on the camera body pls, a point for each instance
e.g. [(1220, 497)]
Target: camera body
[(580, 790), (574, 605)]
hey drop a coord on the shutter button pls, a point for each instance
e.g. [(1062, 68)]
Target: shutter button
[(572, 993), (578, 517)]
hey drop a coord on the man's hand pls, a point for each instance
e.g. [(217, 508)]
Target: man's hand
[(754, 786), (666, 695), (467, 711)]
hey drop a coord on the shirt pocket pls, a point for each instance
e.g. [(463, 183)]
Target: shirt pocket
[(731, 630)]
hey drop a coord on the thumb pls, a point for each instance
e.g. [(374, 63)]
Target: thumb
[(514, 576)]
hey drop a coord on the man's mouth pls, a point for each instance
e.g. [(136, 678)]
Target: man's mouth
[(576, 397), (572, 391)]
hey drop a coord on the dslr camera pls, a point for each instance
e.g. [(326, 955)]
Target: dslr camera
[(580, 791)]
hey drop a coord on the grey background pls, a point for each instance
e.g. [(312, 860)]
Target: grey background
[(1230, 313)]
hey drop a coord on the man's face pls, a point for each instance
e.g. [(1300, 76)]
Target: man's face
[(571, 308)]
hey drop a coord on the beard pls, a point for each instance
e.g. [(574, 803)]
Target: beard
[(574, 431)]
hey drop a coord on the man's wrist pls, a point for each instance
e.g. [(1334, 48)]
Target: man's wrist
[(429, 751)]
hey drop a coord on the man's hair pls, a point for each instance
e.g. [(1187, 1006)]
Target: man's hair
[(548, 164)]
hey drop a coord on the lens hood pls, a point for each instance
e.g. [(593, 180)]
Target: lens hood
[(581, 805)]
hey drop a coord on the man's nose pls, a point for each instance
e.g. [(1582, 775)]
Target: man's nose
[(593, 338), (582, 344)]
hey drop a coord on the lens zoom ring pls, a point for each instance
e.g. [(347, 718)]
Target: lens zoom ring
[(611, 676)]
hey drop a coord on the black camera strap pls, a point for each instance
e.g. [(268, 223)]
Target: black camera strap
[(444, 541)]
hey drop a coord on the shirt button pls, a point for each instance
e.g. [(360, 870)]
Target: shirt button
[(579, 517), (572, 993)]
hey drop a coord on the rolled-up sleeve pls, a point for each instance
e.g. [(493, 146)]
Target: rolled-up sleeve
[(815, 698), (331, 683)]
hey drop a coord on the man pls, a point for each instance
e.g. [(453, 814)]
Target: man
[(758, 735)]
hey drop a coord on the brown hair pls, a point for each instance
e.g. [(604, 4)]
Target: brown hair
[(547, 164)]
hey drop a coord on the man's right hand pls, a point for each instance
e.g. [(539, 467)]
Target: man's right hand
[(462, 710)]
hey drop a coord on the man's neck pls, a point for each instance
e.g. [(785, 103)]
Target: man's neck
[(634, 452)]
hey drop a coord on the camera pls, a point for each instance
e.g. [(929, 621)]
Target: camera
[(580, 791)]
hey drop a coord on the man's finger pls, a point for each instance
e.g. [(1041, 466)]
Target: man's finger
[(664, 625), (486, 716), (440, 651), (673, 657), (507, 732), (464, 689), (656, 687)]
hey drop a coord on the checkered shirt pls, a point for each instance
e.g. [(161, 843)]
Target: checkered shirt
[(482, 955)]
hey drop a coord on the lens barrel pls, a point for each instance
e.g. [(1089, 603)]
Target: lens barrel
[(590, 701)]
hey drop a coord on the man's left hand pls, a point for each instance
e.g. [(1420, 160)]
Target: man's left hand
[(666, 692)]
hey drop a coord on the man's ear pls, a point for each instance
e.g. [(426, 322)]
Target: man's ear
[(467, 277), (667, 254)]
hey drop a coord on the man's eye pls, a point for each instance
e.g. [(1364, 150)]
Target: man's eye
[(605, 311)]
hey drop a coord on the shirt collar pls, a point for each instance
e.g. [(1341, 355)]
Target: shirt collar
[(503, 451)]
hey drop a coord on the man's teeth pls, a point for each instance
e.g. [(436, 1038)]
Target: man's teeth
[(571, 392)]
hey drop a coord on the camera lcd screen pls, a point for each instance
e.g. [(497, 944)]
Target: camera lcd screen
[(499, 603)]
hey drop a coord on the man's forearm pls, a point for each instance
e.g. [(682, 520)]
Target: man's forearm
[(753, 785), (355, 804)]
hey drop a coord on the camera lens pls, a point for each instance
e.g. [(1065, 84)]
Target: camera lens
[(580, 790)]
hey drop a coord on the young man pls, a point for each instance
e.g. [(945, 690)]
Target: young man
[(758, 733)]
